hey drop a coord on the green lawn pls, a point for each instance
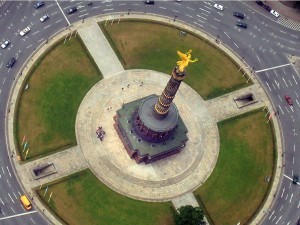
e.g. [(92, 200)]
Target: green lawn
[(145, 45), (47, 110), (236, 188), (83, 199)]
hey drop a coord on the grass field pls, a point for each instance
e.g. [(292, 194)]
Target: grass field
[(236, 188), (82, 199), (47, 110), (138, 48)]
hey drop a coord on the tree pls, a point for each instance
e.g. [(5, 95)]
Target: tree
[(189, 215)]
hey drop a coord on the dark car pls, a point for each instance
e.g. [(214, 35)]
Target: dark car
[(39, 4), (295, 179), (149, 2), (242, 25), (289, 100), (11, 62), (298, 223), (259, 3), (72, 10), (268, 8), (239, 15)]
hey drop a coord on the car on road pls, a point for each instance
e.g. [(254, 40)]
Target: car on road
[(5, 44), (39, 4), (242, 25), (11, 62), (72, 10), (239, 15), (268, 8), (288, 100), (25, 31), (219, 7), (274, 13), (44, 18), (149, 2), (295, 179), (259, 3)]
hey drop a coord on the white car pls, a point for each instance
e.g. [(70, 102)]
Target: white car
[(274, 13), (5, 44), (44, 18), (25, 31), (219, 7)]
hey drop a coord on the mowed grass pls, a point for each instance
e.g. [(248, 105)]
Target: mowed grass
[(82, 199), (47, 110), (236, 188), (146, 45)]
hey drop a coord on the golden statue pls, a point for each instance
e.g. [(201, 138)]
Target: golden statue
[(185, 60)]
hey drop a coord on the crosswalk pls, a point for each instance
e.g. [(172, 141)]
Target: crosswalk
[(289, 23)]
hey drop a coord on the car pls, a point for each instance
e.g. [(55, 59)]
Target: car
[(39, 4), (25, 31), (149, 2), (239, 15), (259, 3), (289, 100), (268, 8), (298, 223), (44, 18), (295, 179), (274, 13), (11, 62), (72, 10), (5, 44), (219, 7), (242, 25)]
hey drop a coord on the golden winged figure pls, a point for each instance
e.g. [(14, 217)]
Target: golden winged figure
[(185, 60)]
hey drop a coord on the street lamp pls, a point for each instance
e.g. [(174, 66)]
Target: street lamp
[(128, 11), (175, 18)]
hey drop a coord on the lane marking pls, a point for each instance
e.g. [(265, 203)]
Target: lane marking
[(63, 12), (22, 214), (271, 68)]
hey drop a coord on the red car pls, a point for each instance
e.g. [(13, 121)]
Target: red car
[(289, 100)]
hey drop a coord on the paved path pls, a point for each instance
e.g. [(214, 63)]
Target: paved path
[(100, 49)]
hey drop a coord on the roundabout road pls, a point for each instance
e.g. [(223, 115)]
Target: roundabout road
[(265, 46)]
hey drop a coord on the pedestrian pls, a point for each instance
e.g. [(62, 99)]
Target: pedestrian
[(128, 85)]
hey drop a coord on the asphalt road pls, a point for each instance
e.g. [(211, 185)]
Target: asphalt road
[(265, 45)]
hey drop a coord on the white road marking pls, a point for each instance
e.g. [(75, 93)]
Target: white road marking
[(22, 214), (226, 34), (267, 75), (290, 82), (162, 7), (281, 109), (271, 214), (11, 198), (58, 21), (28, 46), (235, 44), (190, 8), (296, 94), (189, 15), (201, 17), (2, 170), (271, 68), (297, 102), (280, 98), (291, 197), (32, 220), (108, 9), (268, 86), (293, 160), (280, 208), (217, 20), (277, 84), (285, 82), (257, 58), (278, 220), (47, 26), (213, 27), (63, 12), (275, 73), (41, 40), (53, 13), (204, 10), (12, 209), (83, 15), (175, 11), (294, 79), (198, 24), (200, 21), (35, 32), (282, 192), (8, 171), (15, 195)]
